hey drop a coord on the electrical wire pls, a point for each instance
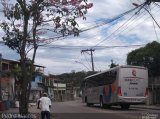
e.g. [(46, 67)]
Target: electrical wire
[(79, 47), (124, 24), (155, 32), (102, 24), (87, 60), (114, 31), (154, 29), (133, 27), (116, 36)]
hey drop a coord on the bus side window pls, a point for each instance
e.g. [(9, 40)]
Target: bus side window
[(111, 77), (86, 84), (89, 84)]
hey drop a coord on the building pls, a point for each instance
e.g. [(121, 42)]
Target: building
[(37, 85), (9, 85), (59, 90), (154, 90), (55, 88), (7, 80)]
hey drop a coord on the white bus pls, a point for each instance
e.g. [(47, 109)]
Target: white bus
[(122, 85)]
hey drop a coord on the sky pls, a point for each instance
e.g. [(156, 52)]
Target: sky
[(129, 30)]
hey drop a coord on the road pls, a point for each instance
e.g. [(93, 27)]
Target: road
[(78, 110)]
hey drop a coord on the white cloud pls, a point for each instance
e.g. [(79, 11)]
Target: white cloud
[(139, 30)]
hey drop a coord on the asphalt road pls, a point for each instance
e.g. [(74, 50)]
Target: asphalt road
[(78, 110)]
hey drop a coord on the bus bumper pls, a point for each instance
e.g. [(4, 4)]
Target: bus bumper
[(132, 100)]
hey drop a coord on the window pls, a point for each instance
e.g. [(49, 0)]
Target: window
[(111, 76), (5, 67), (101, 79)]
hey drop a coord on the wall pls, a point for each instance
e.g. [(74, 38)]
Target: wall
[(154, 90), (7, 88)]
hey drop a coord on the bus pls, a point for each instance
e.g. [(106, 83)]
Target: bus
[(122, 85)]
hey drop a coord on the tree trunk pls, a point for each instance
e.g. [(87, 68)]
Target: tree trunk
[(24, 84), (27, 73), (24, 78), (23, 109)]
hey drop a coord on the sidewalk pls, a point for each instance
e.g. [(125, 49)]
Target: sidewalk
[(32, 109), (33, 112)]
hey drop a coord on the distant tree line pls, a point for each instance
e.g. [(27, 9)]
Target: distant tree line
[(147, 56), (74, 78)]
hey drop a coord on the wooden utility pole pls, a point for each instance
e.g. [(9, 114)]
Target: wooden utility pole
[(0, 75), (90, 50)]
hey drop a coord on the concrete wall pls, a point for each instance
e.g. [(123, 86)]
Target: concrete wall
[(154, 91)]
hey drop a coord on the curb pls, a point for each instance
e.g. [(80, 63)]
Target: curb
[(147, 107)]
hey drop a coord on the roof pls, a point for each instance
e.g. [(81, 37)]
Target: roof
[(14, 61), (117, 67)]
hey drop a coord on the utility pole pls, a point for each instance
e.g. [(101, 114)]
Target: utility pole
[(0, 75), (90, 50)]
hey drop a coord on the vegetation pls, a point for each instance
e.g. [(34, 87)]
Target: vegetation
[(74, 78), (113, 64), (148, 56), (29, 24)]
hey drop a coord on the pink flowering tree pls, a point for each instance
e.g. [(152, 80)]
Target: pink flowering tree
[(27, 26)]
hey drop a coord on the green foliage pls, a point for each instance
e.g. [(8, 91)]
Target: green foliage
[(24, 28), (17, 71), (6, 74), (113, 64), (148, 56), (26, 20)]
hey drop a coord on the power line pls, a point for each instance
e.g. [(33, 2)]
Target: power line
[(87, 60), (114, 31), (143, 6), (123, 25), (136, 24), (131, 28), (155, 32), (83, 47), (154, 28), (102, 24), (113, 19), (82, 64), (48, 41)]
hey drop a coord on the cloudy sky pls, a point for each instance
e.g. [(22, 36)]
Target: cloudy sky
[(128, 31)]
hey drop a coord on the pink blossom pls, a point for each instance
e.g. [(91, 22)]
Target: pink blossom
[(64, 2), (81, 7), (74, 2), (80, 14), (89, 5)]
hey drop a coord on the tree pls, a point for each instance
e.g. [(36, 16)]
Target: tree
[(27, 24), (148, 56), (76, 78), (113, 64)]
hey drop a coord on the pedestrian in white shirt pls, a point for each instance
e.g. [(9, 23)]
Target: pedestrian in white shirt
[(44, 103)]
